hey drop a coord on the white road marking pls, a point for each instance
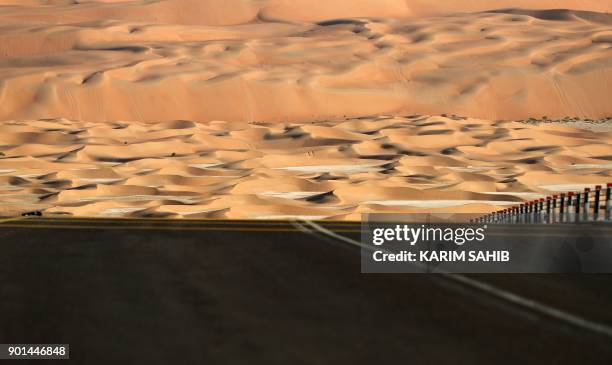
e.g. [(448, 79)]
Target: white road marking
[(508, 296)]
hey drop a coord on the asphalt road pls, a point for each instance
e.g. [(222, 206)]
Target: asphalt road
[(244, 292)]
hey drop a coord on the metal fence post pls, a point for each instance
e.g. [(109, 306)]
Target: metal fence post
[(585, 213), (577, 208), (608, 201), (516, 215), (569, 207), (562, 208), (554, 209), (596, 205)]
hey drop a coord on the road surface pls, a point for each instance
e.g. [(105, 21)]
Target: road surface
[(260, 292)]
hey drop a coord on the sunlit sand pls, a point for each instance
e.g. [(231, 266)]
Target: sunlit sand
[(255, 109)]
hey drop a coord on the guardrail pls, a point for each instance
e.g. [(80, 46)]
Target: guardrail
[(571, 207)]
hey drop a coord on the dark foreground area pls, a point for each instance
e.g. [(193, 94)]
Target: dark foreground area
[(236, 292)]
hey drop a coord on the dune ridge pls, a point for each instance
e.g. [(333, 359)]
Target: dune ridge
[(327, 169), (294, 61), (231, 12), (299, 108)]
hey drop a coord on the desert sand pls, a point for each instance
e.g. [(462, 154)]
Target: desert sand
[(330, 169), (278, 108)]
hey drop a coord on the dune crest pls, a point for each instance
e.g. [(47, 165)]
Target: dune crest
[(280, 60), (316, 109), (333, 169)]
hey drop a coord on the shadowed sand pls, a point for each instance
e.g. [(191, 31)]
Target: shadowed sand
[(275, 108)]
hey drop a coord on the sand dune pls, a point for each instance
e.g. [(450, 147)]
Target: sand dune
[(277, 60), (276, 108), (333, 169), (229, 12)]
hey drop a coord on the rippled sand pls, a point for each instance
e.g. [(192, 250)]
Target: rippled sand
[(275, 108), (291, 61), (323, 169)]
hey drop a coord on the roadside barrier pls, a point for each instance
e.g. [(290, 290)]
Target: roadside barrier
[(571, 207)]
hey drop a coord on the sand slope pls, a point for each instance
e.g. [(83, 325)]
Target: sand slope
[(316, 109), (334, 169), (294, 60), (229, 12)]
